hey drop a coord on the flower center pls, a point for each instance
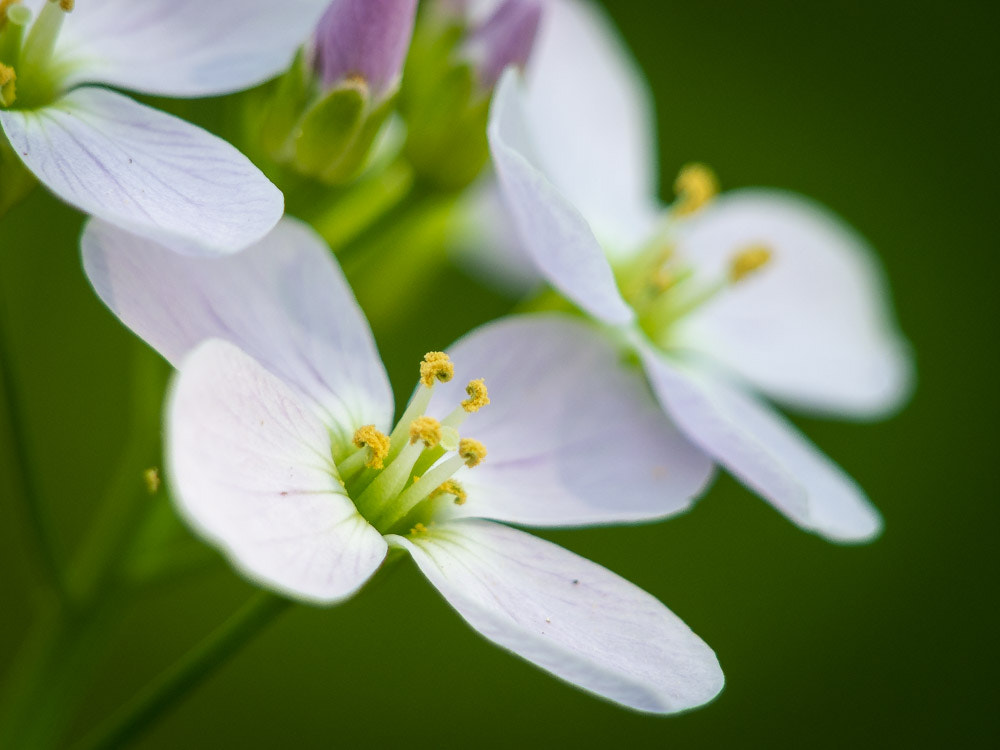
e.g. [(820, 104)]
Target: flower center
[(404, 480), (29, 74), (660, 286)]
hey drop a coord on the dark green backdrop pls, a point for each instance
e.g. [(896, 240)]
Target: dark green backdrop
[(885, 112)]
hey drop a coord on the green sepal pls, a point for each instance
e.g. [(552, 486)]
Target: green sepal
[(330, 131), (276, 112)]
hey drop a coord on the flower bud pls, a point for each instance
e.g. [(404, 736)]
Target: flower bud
[(505, 38), (364, 39)]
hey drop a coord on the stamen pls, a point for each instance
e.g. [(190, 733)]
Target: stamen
[(7, 85), (41, 41), (472, 451), (695, 186), (478, 396), (418, 530), (426, 430), (436, 366), (748, 261), (377, 443), (451, 487)]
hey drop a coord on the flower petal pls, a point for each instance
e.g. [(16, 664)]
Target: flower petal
[(252, 471), (568, 615), (284, 301), (146, 171), (573, 433), (590, 117), (764, 451), (184, 47), (554, 232), (813, 328)]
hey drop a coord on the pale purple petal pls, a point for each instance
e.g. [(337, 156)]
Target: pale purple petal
[(567, 615), (590, 116), (813, 328), (553, 231), (574, 435), (367, 38), (284, 301), (184, 47), (251, 469), (505, 38), (145, 171), (764, 451)]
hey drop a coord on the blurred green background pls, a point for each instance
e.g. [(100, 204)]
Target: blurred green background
[(883, 111)]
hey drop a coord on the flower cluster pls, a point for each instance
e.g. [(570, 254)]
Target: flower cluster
[(282, 448)]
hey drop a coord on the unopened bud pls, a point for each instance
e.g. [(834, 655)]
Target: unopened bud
[(505, 38), (364, 39)]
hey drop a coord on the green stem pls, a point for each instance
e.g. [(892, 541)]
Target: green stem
[(193, 669), (21, 474)]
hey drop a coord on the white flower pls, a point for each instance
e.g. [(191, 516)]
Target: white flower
[(754, 291), (282, 452), (126, 163)]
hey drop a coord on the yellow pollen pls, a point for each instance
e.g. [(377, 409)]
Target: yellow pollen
[(151, 477), (472, 451), (436, 366), (67, 5), (426, 430), (7, 79), (748, 261), (478, 396), (418, 529), (376, 442), (452, 487), (695, 186)]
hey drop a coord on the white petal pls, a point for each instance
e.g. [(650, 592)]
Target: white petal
[(284, 301), (252, 471), (484, 242), (554, 232), (764, 451), (568, 615), (146, 171), (184, 47), (590, 116), (814, 328), (573, 434)]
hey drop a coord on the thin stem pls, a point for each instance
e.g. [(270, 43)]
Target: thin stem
[(198, 665), (21, 474)]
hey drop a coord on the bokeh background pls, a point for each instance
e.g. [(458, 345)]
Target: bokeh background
[(883, 111)]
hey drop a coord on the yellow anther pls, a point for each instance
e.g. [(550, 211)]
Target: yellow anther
[(376, 442), (426, 430), (418, 529), (451, 487), (748, 261), (67, 5), (472, 451), (478, 396), (4, 4), (436, 366), (695, 186), (151, 477), (7, 79)]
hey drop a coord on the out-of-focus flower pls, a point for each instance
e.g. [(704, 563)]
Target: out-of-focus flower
[(126, 163), (752, 291), (281, 451)]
